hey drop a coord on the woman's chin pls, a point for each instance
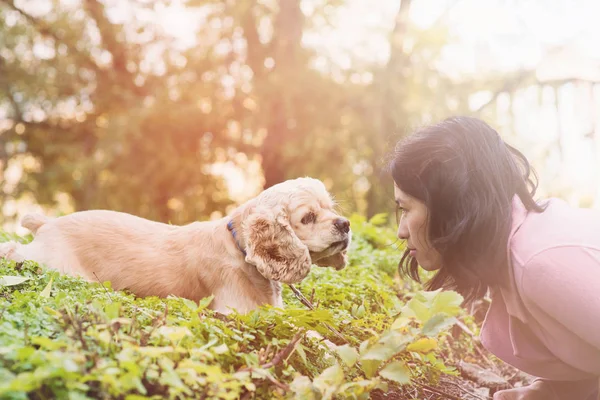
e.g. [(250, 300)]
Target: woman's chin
[(428, 266)]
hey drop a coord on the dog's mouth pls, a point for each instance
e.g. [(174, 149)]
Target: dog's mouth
[(341, 245), (333, 248)]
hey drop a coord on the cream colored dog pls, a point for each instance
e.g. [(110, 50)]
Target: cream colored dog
[(240, 259)]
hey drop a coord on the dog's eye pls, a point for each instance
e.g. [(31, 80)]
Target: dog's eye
[(309, 218)]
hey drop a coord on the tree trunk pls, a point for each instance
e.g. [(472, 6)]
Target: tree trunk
[(285, 50), (391, 83)]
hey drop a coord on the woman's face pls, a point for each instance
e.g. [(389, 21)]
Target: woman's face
[(412, 227)]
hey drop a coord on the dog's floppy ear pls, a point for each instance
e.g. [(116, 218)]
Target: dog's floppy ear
[(273, 247)]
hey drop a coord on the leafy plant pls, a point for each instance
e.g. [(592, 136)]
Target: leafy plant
[(62, 337)]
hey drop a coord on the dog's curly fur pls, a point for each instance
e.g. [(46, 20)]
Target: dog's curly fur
[(202, 258)]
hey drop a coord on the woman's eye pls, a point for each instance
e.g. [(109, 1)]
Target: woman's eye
[(308, 218), (399, 212)]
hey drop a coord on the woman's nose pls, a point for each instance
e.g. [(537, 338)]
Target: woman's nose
[(402, 230)]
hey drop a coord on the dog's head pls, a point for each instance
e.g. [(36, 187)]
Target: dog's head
[(291, 225)]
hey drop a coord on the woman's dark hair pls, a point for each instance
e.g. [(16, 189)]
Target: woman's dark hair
[(467, 176)]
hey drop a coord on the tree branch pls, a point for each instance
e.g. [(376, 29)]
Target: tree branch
[(108, 35), (508, 86), (44, 29), (255, 50), (9, 94)]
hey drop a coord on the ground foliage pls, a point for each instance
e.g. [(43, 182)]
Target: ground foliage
[(62, 337)]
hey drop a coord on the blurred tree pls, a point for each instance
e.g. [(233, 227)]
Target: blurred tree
[(111, 113), (107, 108), (323, 121), (297, 104), (410, 89)]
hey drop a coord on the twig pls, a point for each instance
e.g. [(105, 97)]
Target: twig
[(436, 391), (463, 389), (280, 356), (107, 292), (283, 354), (466, 329), (301, 297), (280, 385), (478, 346), (277, 359), (308, 304), (513, 376)]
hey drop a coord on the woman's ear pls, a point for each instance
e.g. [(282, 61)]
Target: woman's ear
[(273, 247)]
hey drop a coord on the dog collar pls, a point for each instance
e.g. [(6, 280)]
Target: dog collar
[(231, 229)]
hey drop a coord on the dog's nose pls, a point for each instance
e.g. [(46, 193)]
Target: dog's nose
[(342, 225)]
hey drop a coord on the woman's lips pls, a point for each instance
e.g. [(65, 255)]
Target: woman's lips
[(412, 252)]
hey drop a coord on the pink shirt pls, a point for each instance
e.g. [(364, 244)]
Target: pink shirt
[(547, 321)]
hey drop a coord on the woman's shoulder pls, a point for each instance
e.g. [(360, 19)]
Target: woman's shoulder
[(559, 226)]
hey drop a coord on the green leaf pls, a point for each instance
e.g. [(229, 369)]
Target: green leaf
[(174, 333), (423, 345), (52, 312), (427, 296), (155, 351), (389, 344), (364, 345), (360, 312), (328, 381), (370, 367), (204, 303), (7, 280), (302, 353), (192, 305), (46, 292), (112, 310), (400, 323), (47, 343), (220, 349), (379, 352), (378, 219), (448, 302), (437, 324), (396, 371), (424, 305), (303, 389), (348, 354), (417, 308)]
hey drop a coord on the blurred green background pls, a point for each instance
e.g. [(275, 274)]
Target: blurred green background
[(179, 110)]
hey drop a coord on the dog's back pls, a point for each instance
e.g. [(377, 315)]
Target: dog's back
[(77, 243), (147, 257)]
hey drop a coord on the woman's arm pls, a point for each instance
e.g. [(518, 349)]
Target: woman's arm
[(543, 389), (587, 389), (563, 285)]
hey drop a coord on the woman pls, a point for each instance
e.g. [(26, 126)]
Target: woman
[(468, 212)]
